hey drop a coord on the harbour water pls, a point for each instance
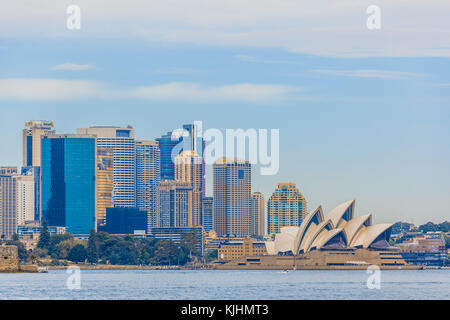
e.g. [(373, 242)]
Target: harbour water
[(227, 285)]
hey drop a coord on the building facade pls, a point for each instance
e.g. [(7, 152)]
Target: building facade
[(177, 235), (166, 143), (232, 197), (32, 136), (207, 216), (25, 198), (148, 176), (69, 182), (8, 202), (174, 204), (237, 249), (258, 219), (126, 221), (121, 142), (105, 184), (189, 168), (286, 207), (187, 138)]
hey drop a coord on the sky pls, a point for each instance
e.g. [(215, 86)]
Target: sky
[(363, 114)]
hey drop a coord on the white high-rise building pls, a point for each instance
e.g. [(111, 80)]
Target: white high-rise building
[(32, 137), (148, 176), (121, 142), (25, 198)]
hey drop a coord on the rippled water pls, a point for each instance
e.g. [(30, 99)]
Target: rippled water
[(227, 285)]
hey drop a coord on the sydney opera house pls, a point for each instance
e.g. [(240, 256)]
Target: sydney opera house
[(338, 240)]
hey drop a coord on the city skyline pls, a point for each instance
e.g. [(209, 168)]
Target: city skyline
[(362, 114)]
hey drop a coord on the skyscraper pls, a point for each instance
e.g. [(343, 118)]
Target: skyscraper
[(175, 142), (207, 216), (166, 143), (32, 137), (232, 197), (148, 167), (31, 146), (286, 207), (174, 204), (8, 201), (25, 197), (189, 168), (35, 172), (121, 142), (104, 185), (257, 219), (69, 182)]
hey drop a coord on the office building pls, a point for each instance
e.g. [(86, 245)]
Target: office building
[(69, 182), (207, 216), (177, 235), (8, 202), (148, 175), (105, 184), (25, 203), (126, 221), (121, 142), (232, 197), (189, 168), (166, 143), (174, 204), (257, 218), (32, 136), (174, 142), (286, 207), (35, 172)]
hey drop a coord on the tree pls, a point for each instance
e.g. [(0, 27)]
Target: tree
[(212, 255), (21, 251), (190, 241), (77, 253), (92, 251), (44, 237)]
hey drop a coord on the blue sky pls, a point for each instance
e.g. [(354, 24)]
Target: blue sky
[(374, 127)]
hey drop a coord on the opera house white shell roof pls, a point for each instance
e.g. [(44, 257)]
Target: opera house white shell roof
[(339, 229)]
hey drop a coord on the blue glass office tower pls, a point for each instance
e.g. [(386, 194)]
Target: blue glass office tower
[(166, 143), (187, 138), (68, 182)]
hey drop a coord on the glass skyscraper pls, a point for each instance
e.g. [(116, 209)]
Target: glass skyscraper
[(68, 182), (121, 142), (31, 144), (174, 142)]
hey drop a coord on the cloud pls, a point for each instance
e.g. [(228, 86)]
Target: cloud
[(72, 67), (194, 92), (43, 89), (325, 28), (247, 58), (367, 73)]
